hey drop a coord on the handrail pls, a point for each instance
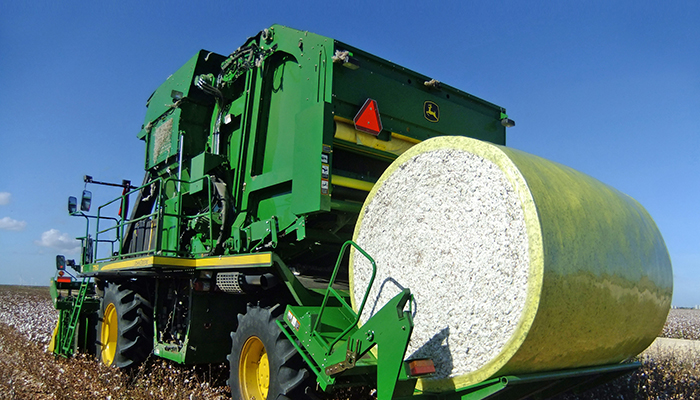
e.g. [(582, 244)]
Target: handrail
[(335, 294), (158, 215), (86, 239), (120, 223)]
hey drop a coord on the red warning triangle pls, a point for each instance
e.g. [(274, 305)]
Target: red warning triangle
[(368, 120)]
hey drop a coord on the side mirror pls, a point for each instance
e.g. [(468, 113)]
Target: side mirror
[(72, 205), (86, 200), (60, 262)]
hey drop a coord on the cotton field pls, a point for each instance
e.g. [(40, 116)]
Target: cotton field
[(682, 324), (28, 371)]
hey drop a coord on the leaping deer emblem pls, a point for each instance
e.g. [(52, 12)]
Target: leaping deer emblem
[(431, 114)]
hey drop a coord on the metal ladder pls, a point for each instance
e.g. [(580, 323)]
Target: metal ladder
[(66, 343)]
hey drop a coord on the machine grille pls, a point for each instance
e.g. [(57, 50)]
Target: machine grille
[(229, 282)]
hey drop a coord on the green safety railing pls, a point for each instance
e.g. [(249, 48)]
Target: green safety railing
[(160, 225), (120, 224), (332, 292)]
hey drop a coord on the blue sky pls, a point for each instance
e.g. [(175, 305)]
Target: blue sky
[(611, 88)]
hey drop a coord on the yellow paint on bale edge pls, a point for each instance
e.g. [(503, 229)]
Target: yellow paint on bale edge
[(494, 154)]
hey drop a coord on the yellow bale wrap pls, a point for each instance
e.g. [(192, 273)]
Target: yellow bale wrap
[(598, 275)]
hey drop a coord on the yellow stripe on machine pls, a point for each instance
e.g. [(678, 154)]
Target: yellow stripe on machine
[(246, 260), (343, 181), (405, 138), (397, 145)]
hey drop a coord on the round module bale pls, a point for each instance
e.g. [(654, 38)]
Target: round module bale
[(517, 264)]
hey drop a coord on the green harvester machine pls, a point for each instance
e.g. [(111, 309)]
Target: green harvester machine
[(234, 247)]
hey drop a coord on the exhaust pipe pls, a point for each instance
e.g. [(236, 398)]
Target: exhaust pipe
[(265, 281)]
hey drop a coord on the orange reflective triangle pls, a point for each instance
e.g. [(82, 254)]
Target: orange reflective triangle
[(367, 119)]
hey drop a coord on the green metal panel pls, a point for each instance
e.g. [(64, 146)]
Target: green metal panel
[(401, 95), (200, 166), (170, 352), (170, 229), (283, 161), (307, 188), (189, 115)]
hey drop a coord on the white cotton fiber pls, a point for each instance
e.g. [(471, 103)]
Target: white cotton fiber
[(448, 225)]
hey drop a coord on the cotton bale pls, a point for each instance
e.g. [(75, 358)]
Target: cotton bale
[(517, 264)]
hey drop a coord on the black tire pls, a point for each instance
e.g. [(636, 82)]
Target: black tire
[(286, 373), (130, 342)]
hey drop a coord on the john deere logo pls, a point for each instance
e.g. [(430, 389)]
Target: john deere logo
[(431, 111)]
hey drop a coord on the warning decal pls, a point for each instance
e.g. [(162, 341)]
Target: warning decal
[(367, 119)]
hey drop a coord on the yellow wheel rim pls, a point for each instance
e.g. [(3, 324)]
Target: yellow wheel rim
[(54, 336), (254, 370), (108, 334)]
